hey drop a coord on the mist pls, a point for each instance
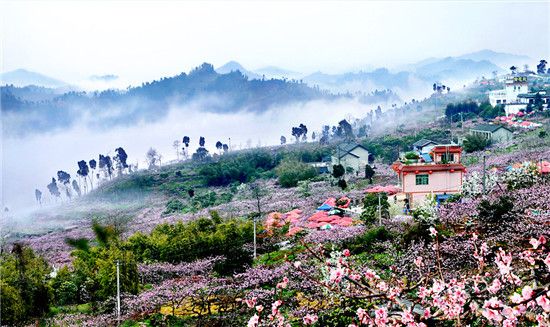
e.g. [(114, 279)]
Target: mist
[(31, 161)]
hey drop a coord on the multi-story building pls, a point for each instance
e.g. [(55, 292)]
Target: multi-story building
[(439, 173)]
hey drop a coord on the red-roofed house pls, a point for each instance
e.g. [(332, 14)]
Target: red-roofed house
[(440, 175)]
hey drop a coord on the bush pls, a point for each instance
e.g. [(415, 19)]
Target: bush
[(412, 156), (365, 241), (370, 207), (174, 205), (25, 293), (342, 184), (201, 238), (239, 168), (291, 172), (474, 143), (338, 171)]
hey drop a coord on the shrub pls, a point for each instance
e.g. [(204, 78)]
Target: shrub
[(291, 172), (338, 171), (370, 207), (474, 143), (174, 205), (411, 155), (342, 184), (198, 239), (365, 241)]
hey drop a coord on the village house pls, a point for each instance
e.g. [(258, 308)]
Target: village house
[(494, 133), (351, 156), (439, 173), (423, 145), (515, 96)]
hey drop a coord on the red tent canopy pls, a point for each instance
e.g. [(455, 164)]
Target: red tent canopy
[(543, 167)]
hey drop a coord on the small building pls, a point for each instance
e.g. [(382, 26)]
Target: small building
[(423, 145), (494, 133), (440, 176), (351, 155)]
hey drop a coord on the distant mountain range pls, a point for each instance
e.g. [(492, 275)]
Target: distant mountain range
[(48, 103), (23, 77)]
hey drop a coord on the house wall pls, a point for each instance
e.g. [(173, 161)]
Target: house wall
[(358, 164), (501, 135), (439, 182)]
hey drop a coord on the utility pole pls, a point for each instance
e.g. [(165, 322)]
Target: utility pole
[(118, 291), (484, 174), (379, 209)]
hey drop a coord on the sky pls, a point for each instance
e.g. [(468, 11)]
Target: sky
[(71, 40)]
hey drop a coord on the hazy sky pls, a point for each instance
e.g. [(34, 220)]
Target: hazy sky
[(140, 40)]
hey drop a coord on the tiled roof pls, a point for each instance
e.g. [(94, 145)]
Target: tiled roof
[(488, 128), (423, 142)]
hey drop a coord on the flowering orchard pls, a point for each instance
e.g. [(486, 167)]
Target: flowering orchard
[(506, 288)]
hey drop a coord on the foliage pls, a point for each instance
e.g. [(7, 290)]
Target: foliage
[(338, 171), (24, 293), (369, 173), (198, 239), (426, 212), (342, 184), (289, 173), (370, 207), (174, 205), (474, 143), (412, 155), (240, 168)]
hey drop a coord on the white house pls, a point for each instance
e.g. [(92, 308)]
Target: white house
[(351, 155), (514, 86)]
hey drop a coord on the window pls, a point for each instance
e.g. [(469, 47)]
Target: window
[(498, 101), (448, 157), (422, 179)]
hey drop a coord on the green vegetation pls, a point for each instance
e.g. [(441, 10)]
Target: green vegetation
[(370, 207), (201, 238), (474, 143), (387, 147), (24, 293), (290, 173), (239, 168)]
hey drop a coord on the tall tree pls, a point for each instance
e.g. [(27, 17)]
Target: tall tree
[(225, 148), (93, 165), (120, 159), (283, 140), (219, 146), (297, 133), (541, 67), (348, 130), (304, 132), (54, 189), (38, 196), (63, 177), (176, 145), (201, 141), (106, 164), (185, 142), (152, 157), (83, 171), (76, 187), (513, 69)]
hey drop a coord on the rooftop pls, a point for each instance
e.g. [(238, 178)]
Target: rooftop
[(488, 128), (423, 142)]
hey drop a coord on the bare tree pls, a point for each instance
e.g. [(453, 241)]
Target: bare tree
[(153, 158), (176, 145)]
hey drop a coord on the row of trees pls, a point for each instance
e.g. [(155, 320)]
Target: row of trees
[(340, 132), (101, 169)]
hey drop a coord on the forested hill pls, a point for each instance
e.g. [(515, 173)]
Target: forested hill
[(202, 88)]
